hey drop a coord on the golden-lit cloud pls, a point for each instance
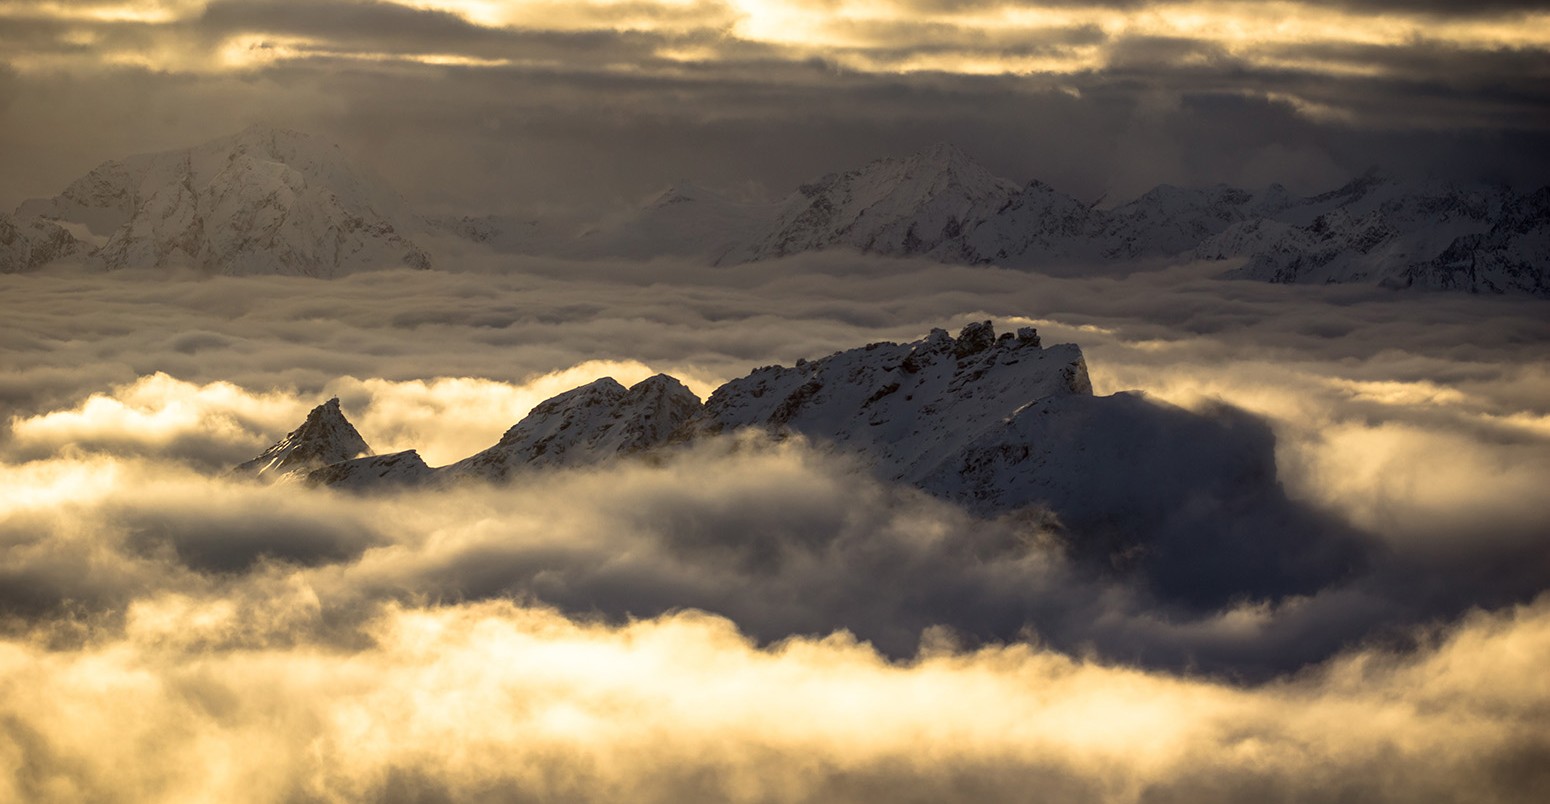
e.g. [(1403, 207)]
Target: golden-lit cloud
[(462, 700), (446, 418), (745, 619), (887, 36)]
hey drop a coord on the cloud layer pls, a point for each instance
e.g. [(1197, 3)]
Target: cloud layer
[(744, 619)]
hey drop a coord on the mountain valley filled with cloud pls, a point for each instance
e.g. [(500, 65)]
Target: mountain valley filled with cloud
[(773, 401)]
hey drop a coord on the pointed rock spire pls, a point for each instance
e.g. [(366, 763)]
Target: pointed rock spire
[(326, 437)]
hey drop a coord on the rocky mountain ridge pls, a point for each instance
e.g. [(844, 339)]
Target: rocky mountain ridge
[(268, 201), (997, 424), (939, 204)]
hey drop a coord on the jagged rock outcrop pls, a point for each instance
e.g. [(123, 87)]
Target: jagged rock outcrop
[(263, 201), (325, 438)]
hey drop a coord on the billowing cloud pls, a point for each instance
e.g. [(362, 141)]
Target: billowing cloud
[(744, 618), (498, 699), (1421, 428)]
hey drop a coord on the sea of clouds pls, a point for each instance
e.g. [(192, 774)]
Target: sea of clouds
[(745, 619)]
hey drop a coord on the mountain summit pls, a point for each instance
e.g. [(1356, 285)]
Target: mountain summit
[(895, 206), (262, 201), (996, 423), (325, 438)]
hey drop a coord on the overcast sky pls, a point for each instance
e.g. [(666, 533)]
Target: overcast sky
[(479, 104)]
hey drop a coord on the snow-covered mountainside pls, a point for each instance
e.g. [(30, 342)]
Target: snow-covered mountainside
[(1169, 220), (905, 407), (1511, 257), (30, 243), (395, 469), (324, 439), (997, 424), (1039, 225), (1379, 230), (263, 201), (913, 205), (1042, 226), (938, 203), (585, 425), (683, 221)]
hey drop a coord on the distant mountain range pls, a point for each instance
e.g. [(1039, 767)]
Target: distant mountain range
[(999, 424), (262, 201), (271, 201)]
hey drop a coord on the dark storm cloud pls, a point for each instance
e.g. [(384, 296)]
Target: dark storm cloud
[(574, 116)]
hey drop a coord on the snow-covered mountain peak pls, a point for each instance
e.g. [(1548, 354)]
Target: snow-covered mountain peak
[(684, 192), (325, 437), (947, 158), (900, 206), (260, 201), (905, 406), (995, 423), (584, 425)]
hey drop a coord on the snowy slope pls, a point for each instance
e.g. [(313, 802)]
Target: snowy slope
[(1513, 257), (326, 437), (1041, 225), (1169, 220), (585, 425), (263, 201), (27, 244), (913, 205), (1091, 458), (1380, 230), (374, 471), (904, 407), (1038, 225), (685, 220)]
